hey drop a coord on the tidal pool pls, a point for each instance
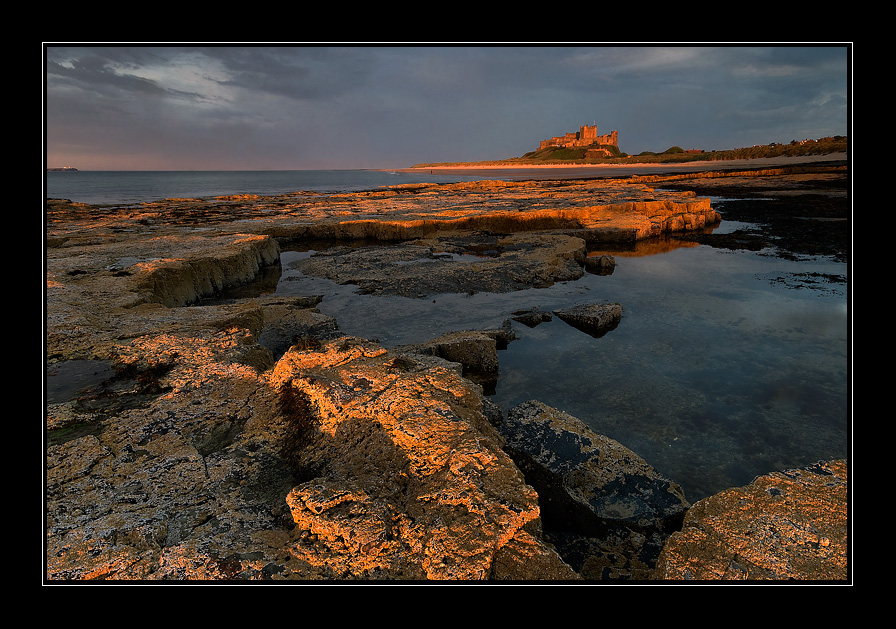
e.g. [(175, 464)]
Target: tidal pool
[(726, 365)]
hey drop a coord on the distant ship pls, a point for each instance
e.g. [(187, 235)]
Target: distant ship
[(64, 169)]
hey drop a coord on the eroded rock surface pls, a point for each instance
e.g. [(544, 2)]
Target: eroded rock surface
[(410, 480), (249, 439), (343, 461), (788, 525)]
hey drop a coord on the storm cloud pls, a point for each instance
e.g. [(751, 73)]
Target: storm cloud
[(181, 107)]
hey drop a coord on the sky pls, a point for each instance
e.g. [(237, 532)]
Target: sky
[(285, 107)]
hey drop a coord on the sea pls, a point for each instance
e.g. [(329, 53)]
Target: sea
[(124, 187), (726, 365)]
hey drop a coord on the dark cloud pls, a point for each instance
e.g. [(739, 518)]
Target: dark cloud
[(303, 73), (386, 106)]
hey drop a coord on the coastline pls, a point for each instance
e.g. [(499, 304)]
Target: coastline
[(559, 171), (254, 437)]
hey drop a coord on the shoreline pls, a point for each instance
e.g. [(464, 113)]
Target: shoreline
[(622, 169), (259, 437)]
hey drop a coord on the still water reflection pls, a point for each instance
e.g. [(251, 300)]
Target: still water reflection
[(723, 367), (716, 374)]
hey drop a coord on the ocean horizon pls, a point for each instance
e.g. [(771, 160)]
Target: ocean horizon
[(137, 186)]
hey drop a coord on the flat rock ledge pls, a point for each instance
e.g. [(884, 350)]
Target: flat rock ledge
[(418, 268)]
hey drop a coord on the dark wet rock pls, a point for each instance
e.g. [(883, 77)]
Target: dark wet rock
[(593, 319), (604, 508), (532, 317), (600, 265), (792, 216), (476, 351)]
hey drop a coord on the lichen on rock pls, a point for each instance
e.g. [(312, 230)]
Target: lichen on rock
[(787, 525)]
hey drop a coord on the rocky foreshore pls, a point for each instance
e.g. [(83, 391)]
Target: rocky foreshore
[(250, 439)]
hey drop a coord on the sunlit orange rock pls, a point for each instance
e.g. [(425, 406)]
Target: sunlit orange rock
[(410, 479), (789, 525)]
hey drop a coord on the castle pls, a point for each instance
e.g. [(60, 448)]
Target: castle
[(586, 136)]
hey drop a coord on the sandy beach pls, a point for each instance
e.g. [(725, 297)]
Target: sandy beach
[(563, 171)]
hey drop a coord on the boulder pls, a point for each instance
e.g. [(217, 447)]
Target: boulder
[(600, 265), (790, 525), (606, 510), (531, 317), (405, 476), (593, 319), (475, 350)]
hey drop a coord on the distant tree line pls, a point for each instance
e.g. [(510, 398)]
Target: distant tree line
[(561, 155)]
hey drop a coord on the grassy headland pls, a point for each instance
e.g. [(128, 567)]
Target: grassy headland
[(578, 156)]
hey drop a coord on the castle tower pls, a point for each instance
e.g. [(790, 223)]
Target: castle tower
[(588, 133)]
